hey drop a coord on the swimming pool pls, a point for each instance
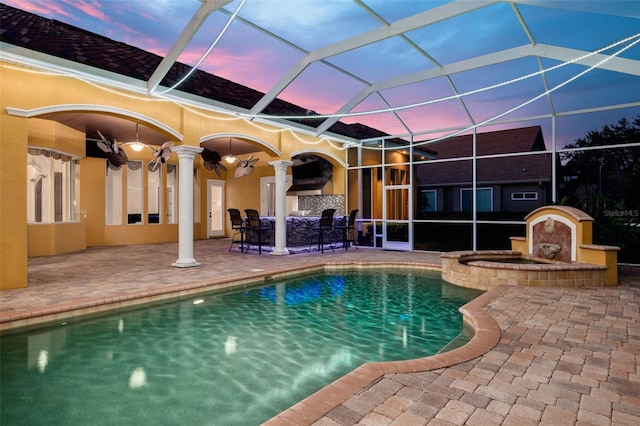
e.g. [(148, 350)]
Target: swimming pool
[(235, 357)]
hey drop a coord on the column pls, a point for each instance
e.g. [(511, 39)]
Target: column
[(186, 155), (281, 206)]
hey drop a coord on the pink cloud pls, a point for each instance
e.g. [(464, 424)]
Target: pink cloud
[(40, 8), (89, 8)]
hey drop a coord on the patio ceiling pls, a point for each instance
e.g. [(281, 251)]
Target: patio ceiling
[(408, 68)]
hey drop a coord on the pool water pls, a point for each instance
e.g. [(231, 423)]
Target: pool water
[(233, 358)]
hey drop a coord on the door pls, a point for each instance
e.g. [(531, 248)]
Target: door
[(216, 212), (268, 196), (397, 229)]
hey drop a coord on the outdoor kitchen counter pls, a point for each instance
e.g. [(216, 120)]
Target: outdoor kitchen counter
[(302, 231)]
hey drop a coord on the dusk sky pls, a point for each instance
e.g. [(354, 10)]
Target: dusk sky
[(250, 57)]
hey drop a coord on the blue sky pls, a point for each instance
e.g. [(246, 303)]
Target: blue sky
[(248, 56)]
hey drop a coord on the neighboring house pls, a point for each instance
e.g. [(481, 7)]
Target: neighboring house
[(504, 184)]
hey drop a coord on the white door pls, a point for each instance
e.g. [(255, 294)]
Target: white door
[(215, 203), (397, 226), (268, 196)]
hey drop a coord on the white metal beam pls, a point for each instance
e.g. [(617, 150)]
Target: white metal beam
[(399, 27), (614, 8), (183, 40), (562, 54)]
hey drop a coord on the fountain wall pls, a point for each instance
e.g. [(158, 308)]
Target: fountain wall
[(557, 251)]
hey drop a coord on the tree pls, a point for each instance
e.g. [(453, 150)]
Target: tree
[(605, 183), (615, 171)]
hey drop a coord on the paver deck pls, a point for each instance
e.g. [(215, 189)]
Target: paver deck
[(541, 356)]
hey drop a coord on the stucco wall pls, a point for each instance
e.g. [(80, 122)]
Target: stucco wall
[(25, 91)]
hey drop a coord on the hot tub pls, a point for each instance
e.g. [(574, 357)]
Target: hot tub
[(485, 270)]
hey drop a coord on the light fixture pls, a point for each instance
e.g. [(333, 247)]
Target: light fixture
[(136, 145), (229, 158)]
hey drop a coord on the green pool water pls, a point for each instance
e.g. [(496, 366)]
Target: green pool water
[(232, 358)]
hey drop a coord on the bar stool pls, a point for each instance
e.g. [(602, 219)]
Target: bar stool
[(347, 230), (324, 226), (239, 226), (255, 225)]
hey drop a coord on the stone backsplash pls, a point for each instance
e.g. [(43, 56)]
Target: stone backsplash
[(316, 203)]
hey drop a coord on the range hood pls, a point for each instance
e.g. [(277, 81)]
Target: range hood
[(310, 175), (306, 188)]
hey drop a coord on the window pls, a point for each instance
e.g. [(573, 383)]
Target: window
[(113, 195), (134, 192), (196, 197), (427, 200), (484, 199), (520, 196), (172, 193), (52, 186), (128, 182), (154, 192)]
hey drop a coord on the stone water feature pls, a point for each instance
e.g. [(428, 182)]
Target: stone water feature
[(557, 251)]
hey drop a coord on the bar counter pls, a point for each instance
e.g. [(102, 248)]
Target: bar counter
[(302, 231)]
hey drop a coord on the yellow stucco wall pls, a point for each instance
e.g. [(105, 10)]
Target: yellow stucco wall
[(28, 90), (48, 239), (13, 199)]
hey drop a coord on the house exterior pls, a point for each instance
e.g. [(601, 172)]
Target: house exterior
[(59, 194), (506, 183)]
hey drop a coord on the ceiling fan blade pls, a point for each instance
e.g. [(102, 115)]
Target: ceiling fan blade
[(165, 155), (154, 165), (104, 145)]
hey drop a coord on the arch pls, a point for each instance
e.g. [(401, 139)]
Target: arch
[(331, 157), (104, 109), (271, 150), (561, 219)]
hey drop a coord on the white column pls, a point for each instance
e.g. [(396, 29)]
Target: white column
[(281, 206), (186, 155)]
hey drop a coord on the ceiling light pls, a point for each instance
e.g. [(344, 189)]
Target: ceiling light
[(137, 146), (230, 158)]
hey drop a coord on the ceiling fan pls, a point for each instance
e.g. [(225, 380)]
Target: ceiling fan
[(116, 157), (212, 161), (162, 155), (245, 167)]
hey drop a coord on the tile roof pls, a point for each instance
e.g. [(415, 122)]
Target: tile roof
[(523, 139), (52, 37), (489, 170)]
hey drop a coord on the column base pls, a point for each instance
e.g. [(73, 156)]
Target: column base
[(181, 263), (277, 252)]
